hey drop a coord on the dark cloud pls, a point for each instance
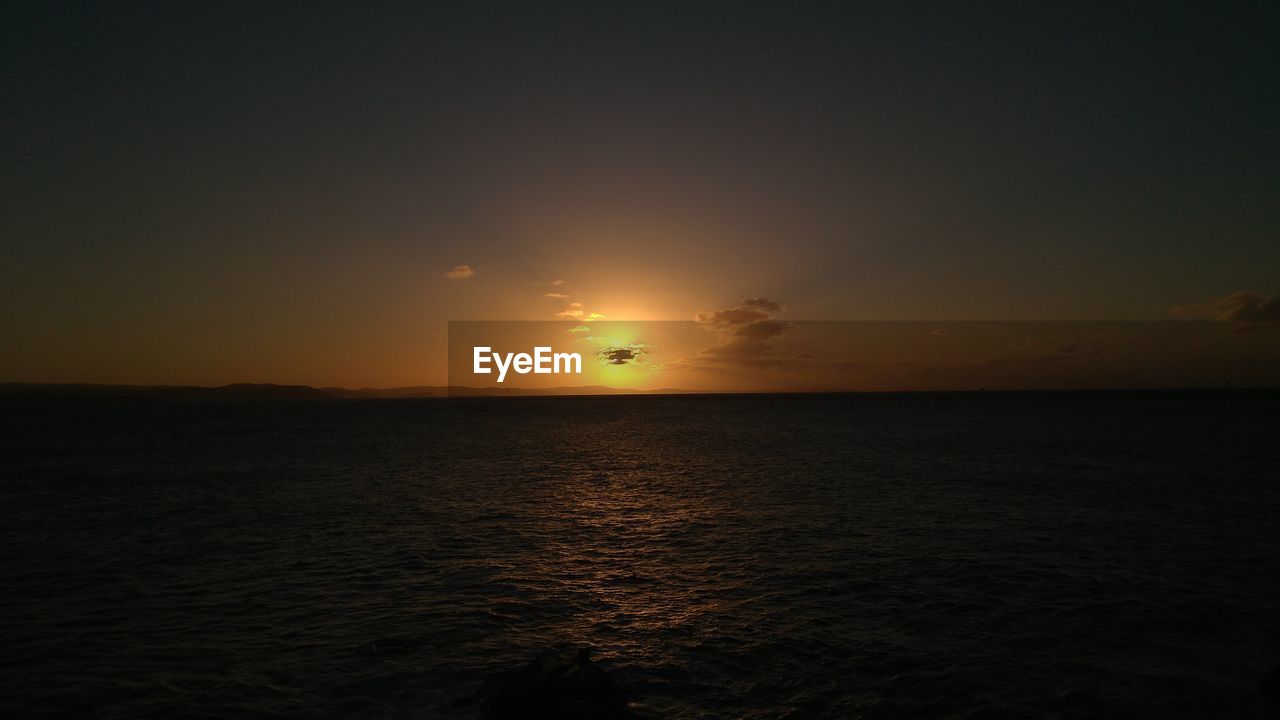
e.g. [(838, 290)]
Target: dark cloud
[(765, 304), (617, 355), (760, 330), (1237, 307), (745, 332), (734, 315), (625, 355), (751, 310)]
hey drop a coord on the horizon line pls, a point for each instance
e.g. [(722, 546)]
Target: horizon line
[(279, 391)]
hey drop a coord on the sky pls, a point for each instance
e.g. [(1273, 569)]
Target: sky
[(265, 192)]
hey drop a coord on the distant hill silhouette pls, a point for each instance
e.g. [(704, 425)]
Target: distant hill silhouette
[(423, 391), (462, 391), (416, 391), (268, 391), (236, 391)]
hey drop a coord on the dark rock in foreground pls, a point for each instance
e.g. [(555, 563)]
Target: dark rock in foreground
[(558, 684)]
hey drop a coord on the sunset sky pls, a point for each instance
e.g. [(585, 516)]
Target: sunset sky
[(206, 194)]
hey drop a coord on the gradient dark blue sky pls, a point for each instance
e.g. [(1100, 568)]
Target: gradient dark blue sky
[(272, 192)]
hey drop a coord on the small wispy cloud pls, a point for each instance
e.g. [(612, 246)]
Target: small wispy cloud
[(460, 272), (572, 309)]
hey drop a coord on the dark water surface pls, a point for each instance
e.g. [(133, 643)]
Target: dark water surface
[(920, 556)]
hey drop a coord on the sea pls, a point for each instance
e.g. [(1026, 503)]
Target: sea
[(930, 555)]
